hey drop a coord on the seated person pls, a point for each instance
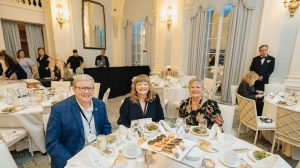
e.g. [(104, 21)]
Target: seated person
[(75, 122), (102, 60), (196, 108), (246, 89), (57, 69), (143, 102)]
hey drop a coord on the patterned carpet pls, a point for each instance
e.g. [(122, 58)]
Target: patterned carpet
[(24, 159)]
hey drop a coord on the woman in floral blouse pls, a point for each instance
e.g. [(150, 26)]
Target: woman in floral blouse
[(196, 108)]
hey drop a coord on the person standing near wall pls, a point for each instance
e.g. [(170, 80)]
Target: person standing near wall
[(102, 60), (263, 65)]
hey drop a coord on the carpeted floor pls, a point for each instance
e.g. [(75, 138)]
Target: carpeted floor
[(24, 159)]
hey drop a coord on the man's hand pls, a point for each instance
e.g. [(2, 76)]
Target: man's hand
[(260, 78)]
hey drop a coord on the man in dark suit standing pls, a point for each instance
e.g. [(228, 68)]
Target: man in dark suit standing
[(75, 122), (263, 65), (102, 60)]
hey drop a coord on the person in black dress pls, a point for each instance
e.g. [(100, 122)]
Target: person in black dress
[(246, 89), (14, 70), (143, 102), (197, 108), (102, 60), (75, 60), (43, 60), (263, 65)]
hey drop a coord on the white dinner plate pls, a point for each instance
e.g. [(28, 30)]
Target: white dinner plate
[(138, 153), (251, 156), (191, 131), (238, 162)]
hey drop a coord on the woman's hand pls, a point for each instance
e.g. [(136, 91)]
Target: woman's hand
[(219, 120)]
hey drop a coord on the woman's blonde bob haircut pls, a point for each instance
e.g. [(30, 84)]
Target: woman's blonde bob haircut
[(133, 93), (250, 77), (195, 80)]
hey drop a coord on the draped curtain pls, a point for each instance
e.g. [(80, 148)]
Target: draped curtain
[(127, 28), (34, 40), (236, 46), (11, 37), (197, 45)]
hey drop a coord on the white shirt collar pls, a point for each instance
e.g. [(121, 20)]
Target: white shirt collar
[(88, 109)]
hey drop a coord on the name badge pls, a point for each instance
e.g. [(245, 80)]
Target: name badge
[(180, 131), (92, 137)]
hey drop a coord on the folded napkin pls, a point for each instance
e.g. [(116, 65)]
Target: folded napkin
[(215, 132), (297, 108), (274, 161), (165, 127)]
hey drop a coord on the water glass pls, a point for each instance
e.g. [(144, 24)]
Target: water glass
[(179, 121), (101, 142), (202, 124)]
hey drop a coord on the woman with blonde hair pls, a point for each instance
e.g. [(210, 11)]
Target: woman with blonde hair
[(196, 108), (246, 89), (143, 102)]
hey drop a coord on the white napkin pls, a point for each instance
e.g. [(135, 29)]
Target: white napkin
[(215, 132), (273, 161), (165, 127)]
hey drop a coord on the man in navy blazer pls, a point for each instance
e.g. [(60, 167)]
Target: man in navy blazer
[(263, 65), (75, 122)]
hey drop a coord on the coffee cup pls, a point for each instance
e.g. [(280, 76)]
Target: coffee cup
[(230, 157), (131, 149)]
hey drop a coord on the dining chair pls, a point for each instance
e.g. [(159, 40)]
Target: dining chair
[(11, 136), (287, 127), (61, 85), (227, 112), (249, 118), (106, 95), (6, 159), (233, 91), (163, 100), (96, 90)]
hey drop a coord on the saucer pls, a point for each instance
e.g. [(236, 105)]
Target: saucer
[(138, 153), (239, 161)]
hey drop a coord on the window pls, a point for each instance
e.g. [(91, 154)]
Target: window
[(137, 40)]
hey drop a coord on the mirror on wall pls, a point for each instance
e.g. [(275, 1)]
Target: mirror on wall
[(93, 25)]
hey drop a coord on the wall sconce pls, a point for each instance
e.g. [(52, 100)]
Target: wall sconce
[(167, 17), (292, 5), (62, 15)]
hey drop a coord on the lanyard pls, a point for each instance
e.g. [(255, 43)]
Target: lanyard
[(89, 122), (145, 110)]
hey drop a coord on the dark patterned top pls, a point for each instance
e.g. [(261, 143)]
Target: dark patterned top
[(209, 110)]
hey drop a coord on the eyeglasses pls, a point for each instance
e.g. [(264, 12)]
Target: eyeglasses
[(84, 89)]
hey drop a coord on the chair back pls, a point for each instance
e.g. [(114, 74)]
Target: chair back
[(61, 86), (208, 84), (160, 92), (96, 90), (227, 112), (287, 126), (214, 91), (233, 90), (106, 95), (6, 159), (247, 110)]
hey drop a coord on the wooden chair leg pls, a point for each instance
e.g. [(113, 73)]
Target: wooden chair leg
[(278, 144), (255, 139), (273, 145), (30, 146), (238, 133)]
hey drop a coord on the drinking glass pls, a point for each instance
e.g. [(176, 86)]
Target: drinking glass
[(101, 142), (179, 121), (202, 124)]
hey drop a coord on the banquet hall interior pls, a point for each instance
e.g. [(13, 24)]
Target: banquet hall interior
[(181, 45)]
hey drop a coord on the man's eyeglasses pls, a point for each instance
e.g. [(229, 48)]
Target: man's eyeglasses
[(84, 89)]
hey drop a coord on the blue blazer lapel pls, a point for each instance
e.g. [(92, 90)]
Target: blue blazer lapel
[(76, 113), (96, 112)]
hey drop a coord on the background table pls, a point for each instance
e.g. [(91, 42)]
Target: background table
[(270, 110), (118, 79)]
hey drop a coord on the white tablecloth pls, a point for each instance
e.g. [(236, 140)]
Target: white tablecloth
[(30, 119), (82, 158), (270, 110)]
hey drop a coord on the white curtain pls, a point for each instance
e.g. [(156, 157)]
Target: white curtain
[(148, 41), (34, 40), (11, 37), (127, 28), (237, 42), (197, 45)]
